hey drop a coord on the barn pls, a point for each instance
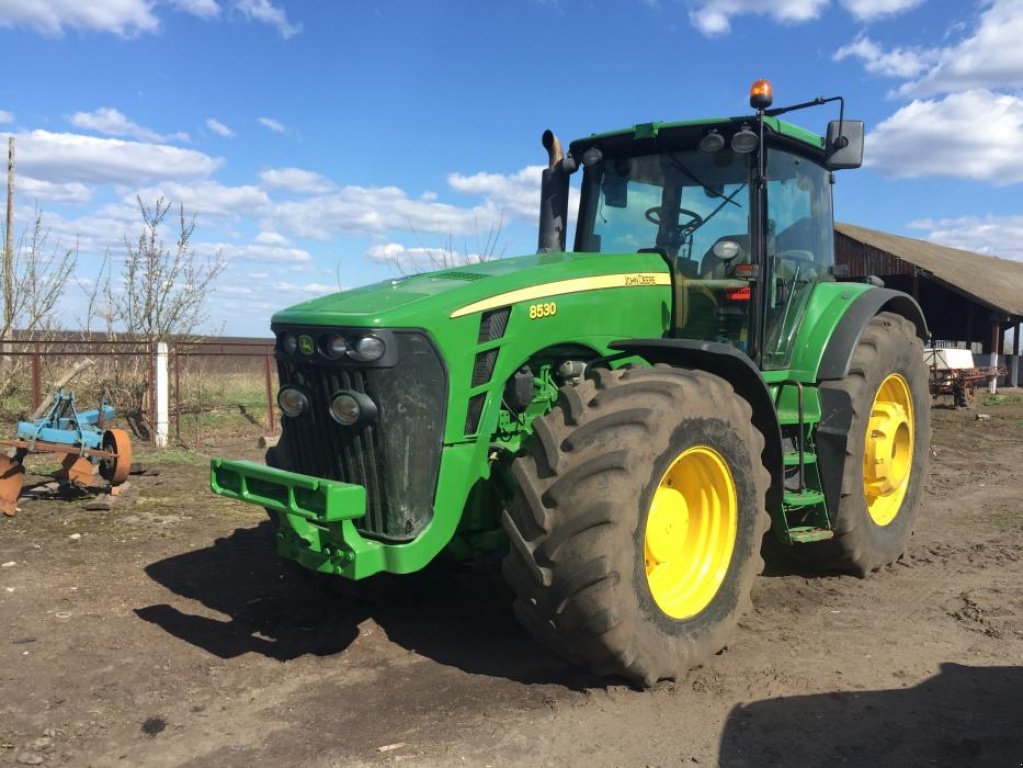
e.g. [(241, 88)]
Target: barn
[(968, 298)]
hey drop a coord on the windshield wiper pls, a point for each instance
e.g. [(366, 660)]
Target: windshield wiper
[(711, 192)]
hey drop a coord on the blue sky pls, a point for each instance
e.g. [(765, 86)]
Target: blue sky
[(339, 143)]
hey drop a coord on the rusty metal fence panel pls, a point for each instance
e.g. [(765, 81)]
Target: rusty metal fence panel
[(220, 391)]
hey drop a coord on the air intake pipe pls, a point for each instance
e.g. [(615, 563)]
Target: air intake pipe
[(554, 195)]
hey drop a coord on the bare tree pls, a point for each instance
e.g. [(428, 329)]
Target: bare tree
[(156, 293), (161, 292), (39, 274)]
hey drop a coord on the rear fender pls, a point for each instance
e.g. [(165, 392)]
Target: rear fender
[(739, 371), (836, 409), (834, 364)]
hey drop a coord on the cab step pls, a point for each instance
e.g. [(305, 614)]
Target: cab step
[(805, 535), (806, 498), (792, 459)]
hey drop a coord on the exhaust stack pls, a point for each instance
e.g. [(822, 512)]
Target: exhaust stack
[(554, 196)]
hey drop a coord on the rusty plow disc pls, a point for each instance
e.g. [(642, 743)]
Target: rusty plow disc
[(116, 470), (12, 476)]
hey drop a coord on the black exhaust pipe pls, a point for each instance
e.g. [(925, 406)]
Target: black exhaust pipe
[(554, 196)]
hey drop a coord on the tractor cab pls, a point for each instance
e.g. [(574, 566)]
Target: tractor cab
[(739, 208)]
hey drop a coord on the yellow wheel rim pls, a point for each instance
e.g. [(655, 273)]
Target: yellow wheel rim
[(690, 532), (888, 450)]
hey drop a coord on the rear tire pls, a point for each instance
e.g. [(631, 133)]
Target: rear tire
[(875, 515), (580, 560)]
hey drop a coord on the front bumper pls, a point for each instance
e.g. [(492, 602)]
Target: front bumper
[(316, 516)]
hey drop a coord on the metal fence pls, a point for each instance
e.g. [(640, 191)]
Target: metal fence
[(222, 388)]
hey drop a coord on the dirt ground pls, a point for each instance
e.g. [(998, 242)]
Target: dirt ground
[(165, 633)]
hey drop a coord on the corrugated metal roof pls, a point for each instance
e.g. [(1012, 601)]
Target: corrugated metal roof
[(996, 282)]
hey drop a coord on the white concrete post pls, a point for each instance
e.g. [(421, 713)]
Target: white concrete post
[(162, 396), (992, 385)]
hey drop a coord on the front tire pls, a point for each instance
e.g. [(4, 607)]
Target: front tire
[(636, 524), (887, 450)]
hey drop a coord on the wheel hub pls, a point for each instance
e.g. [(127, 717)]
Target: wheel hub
[(667, 526), (888, 450), (690, 532)]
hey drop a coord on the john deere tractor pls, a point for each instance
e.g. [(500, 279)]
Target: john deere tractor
[(627, 419)]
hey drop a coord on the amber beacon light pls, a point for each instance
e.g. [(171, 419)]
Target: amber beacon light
[(761, 94)]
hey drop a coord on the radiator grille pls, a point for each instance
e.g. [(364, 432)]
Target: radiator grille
[(397, 457)]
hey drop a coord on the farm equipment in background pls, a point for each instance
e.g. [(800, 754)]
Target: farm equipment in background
[(953, 374), (624, 420), (92, 454)]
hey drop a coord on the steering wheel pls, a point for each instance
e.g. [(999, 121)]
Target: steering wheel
[(653, 215)]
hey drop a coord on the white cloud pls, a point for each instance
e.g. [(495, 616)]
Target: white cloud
[(418, 259), (206, 9), (376, 210), (52, 17), (994, 235), (210, 198), (972, 135), (127, 18), (263, 253), (991, 57), (517, 194), (219, 128), (6, 117), (67, 192), (271, 238), (113, 123), (234, 290), (274, 125), (313, 289), (867, 10), (268, 13), (900, 62), (379, 210), (63, 157), (713, 17), (296, 180)]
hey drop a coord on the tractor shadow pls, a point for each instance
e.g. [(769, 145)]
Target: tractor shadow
[(963, 716), (456, 615)]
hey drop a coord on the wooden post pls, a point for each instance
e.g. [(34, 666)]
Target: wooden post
[(8, 264), (996, 347), (1014, 376)]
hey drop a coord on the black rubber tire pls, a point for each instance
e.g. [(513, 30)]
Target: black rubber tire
[(889, 344), (578, 516)]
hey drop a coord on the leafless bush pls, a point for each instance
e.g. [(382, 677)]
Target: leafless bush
[(160, 293), (40, 272)]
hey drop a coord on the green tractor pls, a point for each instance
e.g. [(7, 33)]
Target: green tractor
[(625, 420)]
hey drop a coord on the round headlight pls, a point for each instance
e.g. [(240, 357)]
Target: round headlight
[(287, 343), (293, 402), (334, 346), (368, 349), (344, 409), (712, 142), (744, 141)]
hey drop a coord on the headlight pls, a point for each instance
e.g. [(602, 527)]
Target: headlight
[(287, 343), (349, 408), (293, 402), (334, 346), (368, 349), (345, 409)]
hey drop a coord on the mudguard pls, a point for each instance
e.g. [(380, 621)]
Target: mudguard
[(739, 371), (835, 361)]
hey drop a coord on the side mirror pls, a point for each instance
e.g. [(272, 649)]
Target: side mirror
[(844, 150)]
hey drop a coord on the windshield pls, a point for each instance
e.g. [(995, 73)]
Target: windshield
[(694, 208)]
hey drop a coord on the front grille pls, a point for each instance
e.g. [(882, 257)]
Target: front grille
[(397, 457)]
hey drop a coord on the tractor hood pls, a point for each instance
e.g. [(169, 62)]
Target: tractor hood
[(426, 299)]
